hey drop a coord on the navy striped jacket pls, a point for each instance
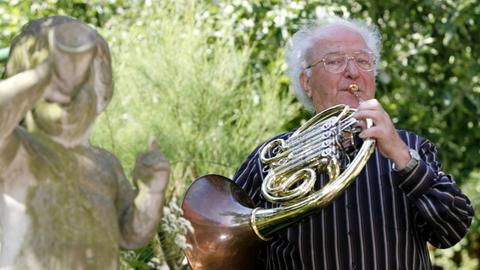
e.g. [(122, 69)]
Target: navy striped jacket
[(382, 221)]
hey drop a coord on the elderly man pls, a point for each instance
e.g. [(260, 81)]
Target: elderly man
[(400, 201), (64, 203)]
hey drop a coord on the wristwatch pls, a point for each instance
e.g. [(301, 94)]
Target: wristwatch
[(412, 163)]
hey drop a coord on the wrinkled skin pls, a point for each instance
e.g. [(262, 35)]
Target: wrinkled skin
[(327, 89), (66, 204)]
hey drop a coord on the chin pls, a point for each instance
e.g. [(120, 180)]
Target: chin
[(349, 100)]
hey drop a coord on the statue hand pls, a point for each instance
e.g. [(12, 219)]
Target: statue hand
[(151, 176), (152, 169)]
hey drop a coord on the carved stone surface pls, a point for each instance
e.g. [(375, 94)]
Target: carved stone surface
[(65, 204)]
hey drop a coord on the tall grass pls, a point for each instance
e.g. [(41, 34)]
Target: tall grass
[(191, 89)]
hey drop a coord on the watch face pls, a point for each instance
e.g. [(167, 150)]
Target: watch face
[(414, 160), (414, 154)]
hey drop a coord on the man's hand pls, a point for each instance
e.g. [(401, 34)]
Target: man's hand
[(383, 131)]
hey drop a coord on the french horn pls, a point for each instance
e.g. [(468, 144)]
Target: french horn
[(228, 230)]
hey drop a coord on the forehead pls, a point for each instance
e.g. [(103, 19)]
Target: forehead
[(337, 38)]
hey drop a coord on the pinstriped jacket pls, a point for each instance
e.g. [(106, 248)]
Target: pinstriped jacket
[(382, 221)]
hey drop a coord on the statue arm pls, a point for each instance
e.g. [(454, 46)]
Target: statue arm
[(18, 94), (141, 218)]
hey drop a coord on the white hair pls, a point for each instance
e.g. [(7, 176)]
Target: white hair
[(303, 40)]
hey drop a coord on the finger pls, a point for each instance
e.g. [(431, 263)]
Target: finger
[(361, 123), (366, 104), (374, 132), (371, 104), (364, 114), (365, 134)]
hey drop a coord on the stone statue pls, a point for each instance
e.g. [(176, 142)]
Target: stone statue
[(64, 203)]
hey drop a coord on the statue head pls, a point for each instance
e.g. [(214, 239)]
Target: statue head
[(81, 82)]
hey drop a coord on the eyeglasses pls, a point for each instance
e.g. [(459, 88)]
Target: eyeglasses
[(337, 62)]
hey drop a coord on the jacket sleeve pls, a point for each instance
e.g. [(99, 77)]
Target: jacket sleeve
[(443, 213)]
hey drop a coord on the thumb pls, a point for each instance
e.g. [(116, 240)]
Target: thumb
[(153, 144)]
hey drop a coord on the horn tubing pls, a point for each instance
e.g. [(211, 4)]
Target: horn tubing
[(300, 145), (300, 157), (268, 221)]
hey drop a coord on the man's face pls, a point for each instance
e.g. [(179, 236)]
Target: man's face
[(327, 89)]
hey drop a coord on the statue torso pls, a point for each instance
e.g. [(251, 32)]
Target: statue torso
[(62, 203)]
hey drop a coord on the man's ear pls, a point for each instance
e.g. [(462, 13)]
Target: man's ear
[(305, 83)]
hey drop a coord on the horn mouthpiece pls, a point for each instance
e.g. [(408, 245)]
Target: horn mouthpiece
[(353, 88)]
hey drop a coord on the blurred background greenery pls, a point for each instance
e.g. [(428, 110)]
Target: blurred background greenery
[(207, 79)]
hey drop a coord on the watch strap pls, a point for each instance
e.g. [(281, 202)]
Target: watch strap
[(411, 165)]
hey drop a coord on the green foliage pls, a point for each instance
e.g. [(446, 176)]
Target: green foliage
[(15, 13), (191, 93), (431, 56)]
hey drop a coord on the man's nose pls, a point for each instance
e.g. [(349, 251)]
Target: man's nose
[(351, 70)]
